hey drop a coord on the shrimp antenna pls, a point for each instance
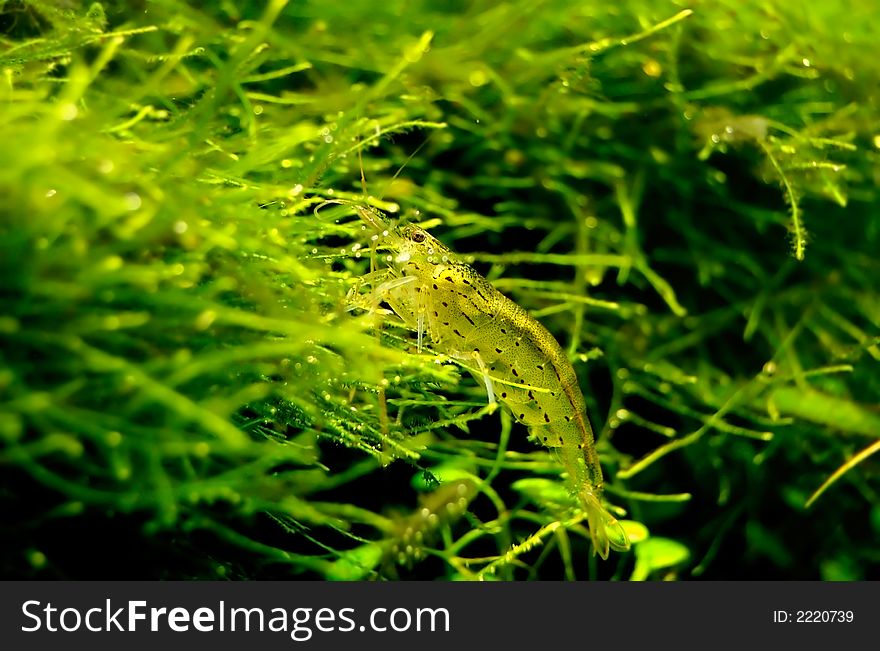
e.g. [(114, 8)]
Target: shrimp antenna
[(407, 161), (361, 166), (399, 169), (330, 202)]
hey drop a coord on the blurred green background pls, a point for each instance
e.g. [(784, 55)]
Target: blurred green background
[(684, 193)]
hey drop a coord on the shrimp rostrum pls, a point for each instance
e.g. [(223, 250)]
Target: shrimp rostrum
[(517, 359)]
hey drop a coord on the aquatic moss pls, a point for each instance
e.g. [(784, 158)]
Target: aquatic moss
[(685, 194)]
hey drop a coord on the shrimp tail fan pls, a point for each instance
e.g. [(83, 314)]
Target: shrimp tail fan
[(606, 532)]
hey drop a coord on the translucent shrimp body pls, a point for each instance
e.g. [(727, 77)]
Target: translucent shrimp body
[(518, 360)]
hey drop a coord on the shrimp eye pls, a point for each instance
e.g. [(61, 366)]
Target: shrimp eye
[(418, 237)]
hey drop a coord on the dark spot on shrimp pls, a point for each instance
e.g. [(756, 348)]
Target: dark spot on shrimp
[(449, 278), (568, 419), (545, 439), (446, 323), (443, 303), (546, 417), (504, 394), (513, 370), (458, 333), (531, 395), (435, 313), (522, 416), (435, 286), (516, 343), (540, 367), (503, 331), (560, 440), (497, 350), (469, 320)]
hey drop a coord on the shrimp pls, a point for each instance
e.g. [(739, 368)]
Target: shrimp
[(516, 357)]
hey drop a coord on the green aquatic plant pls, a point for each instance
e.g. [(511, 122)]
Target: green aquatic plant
[(683, 194)]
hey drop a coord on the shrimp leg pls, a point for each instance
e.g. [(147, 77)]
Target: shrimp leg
[(487, 380)]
